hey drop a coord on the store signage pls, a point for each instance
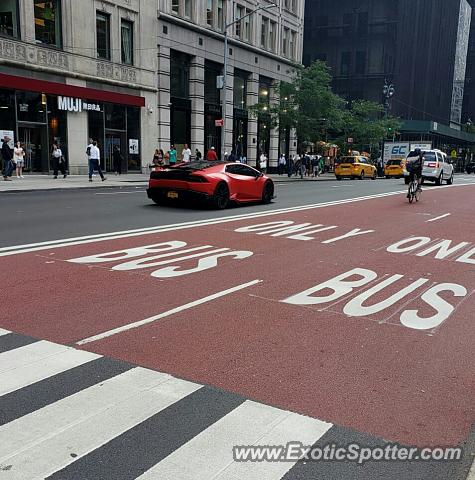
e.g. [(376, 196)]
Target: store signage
[(219, 123), (70, 104)]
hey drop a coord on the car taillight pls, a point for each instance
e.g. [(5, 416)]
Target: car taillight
[(433, 165)]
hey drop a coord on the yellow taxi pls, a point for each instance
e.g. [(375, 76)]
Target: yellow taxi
[(394, 169), (355, 166)]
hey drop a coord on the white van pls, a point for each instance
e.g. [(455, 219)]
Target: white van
[(437, 167)]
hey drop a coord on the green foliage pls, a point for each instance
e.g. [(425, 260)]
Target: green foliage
[(309, 105)]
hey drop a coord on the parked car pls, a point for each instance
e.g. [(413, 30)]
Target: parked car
[(355, 166), (218, 183), (437, 167), (470, 168), (393, 169)]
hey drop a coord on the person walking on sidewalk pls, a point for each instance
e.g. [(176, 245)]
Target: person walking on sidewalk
[(58, 161), (172, 153), (95, 160), (7, 160), (186, 154), (19, 159), (117, 159)]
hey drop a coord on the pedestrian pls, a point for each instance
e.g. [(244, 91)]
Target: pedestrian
[(57, 161), (315, 163), (263, 162), (186, 154), (211, 155), (158, 158), (290, 166), (7, 159), (244, 159), (117, 160), (19, 159), (282, 163), (321, 166), (172, 155), (233, 157), (95, 161), (198, 155)]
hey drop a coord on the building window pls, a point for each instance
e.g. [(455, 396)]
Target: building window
[(209, 13), (293, 42), (345, 65), (246, 31), (182, 8), (264, 32), (221, 14), (127, 42), (48, 22), (239, 14), (103, 35), (360, 63), (363, 23), (272, 35), (240, 90), (176, 6), (9, 18), (179, 75), (285, 42)]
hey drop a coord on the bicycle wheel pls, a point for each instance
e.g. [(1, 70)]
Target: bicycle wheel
[(417, 195), (412, 191)]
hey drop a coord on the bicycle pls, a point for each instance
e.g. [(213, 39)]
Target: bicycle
[(414, 190)]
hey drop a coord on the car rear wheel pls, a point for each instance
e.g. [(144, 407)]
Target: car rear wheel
[(439, 180), (338, 178), (362, 175), (221, 196), (450, 181), (267, 193), (375, 175)]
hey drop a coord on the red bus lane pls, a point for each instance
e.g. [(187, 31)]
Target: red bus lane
[(358, 314)]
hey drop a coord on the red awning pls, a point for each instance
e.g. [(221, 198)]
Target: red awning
[(54, 88)]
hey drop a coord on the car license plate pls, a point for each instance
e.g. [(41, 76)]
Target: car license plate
[(172, 195)]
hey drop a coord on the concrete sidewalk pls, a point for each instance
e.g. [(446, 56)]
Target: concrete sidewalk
[(34, 182)]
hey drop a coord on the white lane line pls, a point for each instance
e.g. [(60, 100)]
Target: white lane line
[(249, 424), (28, 248), (187, 306), (438, 218), (34, 428), (119, 193), (66, 242), (53, 451)]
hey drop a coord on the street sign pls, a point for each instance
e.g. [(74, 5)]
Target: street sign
[(350, 140), (219, 123)]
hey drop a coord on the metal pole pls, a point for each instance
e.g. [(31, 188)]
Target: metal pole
[(223, 100)]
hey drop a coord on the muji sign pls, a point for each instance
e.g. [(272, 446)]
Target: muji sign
[(70, 104)]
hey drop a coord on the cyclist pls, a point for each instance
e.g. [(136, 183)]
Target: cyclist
[(414, 167)]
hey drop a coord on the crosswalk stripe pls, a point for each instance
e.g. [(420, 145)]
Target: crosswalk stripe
[(29, 430), (209, 455), (33, 397), (32, 363), (54, 451), (140, 448), (10, 341)]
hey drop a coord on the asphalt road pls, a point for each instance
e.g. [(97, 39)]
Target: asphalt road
[(153, 354), (47, 215)]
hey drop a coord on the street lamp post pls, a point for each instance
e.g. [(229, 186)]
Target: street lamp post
[(225, 71), (388, 93)]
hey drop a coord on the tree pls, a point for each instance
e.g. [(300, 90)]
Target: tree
[(363, 123), (307, 104)]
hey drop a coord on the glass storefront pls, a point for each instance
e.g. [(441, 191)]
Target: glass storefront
[(36, 120), (116, 126), (37, 123), (240, 122), (213, 110)]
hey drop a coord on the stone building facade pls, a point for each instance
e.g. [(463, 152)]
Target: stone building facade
[(264, 48), (70, 70)]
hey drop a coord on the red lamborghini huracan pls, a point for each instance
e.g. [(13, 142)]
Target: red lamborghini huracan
[(217, 182)]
